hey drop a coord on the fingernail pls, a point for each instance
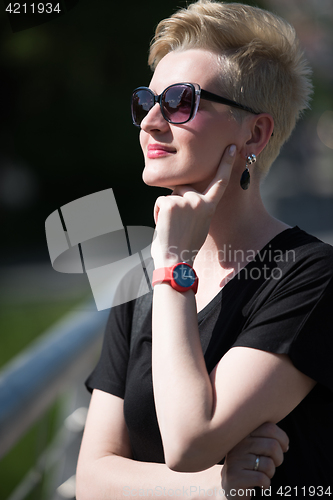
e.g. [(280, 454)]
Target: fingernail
[(232, 150)]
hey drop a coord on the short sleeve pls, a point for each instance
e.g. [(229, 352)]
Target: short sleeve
[(297, 318), (110, 373)]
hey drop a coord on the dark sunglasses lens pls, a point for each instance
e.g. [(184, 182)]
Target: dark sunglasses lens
[(142, 102), (178, 103)]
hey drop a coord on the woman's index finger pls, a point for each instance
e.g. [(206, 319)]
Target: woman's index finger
[(218, 185)]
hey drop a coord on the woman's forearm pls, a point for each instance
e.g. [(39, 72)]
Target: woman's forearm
[(182, 388), (117, 478)]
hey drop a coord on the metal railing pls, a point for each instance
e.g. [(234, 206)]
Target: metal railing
[(29, 384)]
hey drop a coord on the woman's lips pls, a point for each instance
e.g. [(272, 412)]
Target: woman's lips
[(158, 151)]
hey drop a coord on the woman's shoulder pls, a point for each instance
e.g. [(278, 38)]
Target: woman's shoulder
[(305, 249)]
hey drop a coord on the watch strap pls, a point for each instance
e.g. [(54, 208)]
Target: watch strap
[(165, 275)]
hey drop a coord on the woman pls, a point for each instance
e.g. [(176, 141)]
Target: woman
[(240, 332)]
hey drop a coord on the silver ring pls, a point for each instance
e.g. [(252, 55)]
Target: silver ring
[(256, 463)]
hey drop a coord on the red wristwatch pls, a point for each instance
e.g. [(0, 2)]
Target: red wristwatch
[(181, 277)]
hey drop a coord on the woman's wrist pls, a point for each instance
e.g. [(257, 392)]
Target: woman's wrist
[(166, 257), (170, 259), (165, 261)]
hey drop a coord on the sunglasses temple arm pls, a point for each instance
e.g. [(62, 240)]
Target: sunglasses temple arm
[(209, 96)]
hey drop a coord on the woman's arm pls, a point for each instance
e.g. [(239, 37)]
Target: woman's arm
[(106, 470), (202, 417)]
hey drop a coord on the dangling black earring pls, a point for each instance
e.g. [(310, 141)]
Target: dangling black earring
[(245, 179)]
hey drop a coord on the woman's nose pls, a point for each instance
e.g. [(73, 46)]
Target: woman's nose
[(154, 120)]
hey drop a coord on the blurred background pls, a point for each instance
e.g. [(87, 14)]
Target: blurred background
[(66, 132)]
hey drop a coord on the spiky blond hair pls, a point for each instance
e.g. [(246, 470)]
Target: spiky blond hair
[(262, 64)]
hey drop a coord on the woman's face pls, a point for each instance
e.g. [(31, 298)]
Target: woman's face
[(188, 153)]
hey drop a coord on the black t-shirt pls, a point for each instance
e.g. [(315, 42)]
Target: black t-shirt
[(279, 302)]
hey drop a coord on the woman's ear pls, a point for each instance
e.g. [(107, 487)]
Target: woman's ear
[(262, 127)]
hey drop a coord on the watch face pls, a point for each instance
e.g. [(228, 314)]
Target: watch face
[(184, 275)]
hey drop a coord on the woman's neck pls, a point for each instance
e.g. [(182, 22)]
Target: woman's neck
[(240, 226)]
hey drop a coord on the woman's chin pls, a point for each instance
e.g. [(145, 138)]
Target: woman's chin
[(154, 180)]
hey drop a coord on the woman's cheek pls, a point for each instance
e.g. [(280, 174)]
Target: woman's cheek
[(143, 139)]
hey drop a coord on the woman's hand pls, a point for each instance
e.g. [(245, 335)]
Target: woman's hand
[(183, 218), (268, 443)]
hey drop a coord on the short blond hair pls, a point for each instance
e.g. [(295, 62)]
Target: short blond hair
[(262, 64)]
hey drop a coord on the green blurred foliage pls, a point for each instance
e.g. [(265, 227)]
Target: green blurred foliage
[(20, 324), (23, 457)]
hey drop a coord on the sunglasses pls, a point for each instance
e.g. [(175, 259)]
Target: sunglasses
[(179, 102)]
